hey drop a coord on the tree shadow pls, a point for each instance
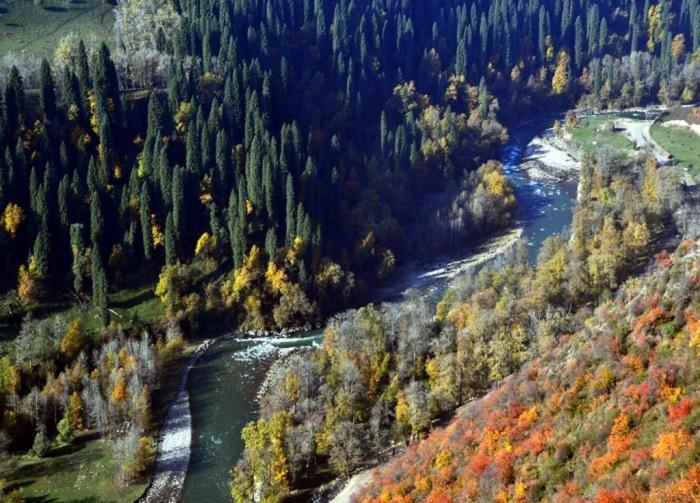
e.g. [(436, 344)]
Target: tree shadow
[(134, 301), (65, 450)]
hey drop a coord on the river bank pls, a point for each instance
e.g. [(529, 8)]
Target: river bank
[(174, 441), (547, 157)]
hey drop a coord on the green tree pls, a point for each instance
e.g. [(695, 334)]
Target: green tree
[(47, 91), (99, 285)]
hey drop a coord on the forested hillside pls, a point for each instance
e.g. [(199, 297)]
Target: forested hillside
[(607, 415), (384, 375), (252, 160)]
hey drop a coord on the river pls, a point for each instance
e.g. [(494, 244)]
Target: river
[(224, 383)]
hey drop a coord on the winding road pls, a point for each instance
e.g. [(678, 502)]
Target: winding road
[(640, 133)]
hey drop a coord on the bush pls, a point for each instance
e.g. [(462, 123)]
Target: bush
[(41, 444), (65, 431)]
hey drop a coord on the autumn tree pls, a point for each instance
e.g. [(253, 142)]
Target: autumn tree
[(561, 78), (72, 342), (12, 218)]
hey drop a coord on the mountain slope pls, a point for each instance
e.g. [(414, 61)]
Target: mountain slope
[(610, 414)]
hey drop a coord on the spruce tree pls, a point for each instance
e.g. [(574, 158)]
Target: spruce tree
[(99, 285), (47, 91), (170, 240), (41, 252), (145, 215), (97, 221), (77, 246)]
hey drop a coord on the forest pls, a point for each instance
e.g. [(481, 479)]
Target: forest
[(385, 375), (228, 160), (267, 164)]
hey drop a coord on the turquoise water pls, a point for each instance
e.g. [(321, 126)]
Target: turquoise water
[(223, 388), (224, 384), (545, 208)]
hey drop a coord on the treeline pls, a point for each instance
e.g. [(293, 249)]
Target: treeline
[(384, 374)]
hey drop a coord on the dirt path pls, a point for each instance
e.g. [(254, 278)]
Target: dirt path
[(640, 133), (174, 442), (353, 485)]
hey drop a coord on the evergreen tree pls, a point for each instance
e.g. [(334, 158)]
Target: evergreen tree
[(47, 91), (97, 222), (99, 285), (145, 215), (41, 252), (78, 249), (290, 219), (170, 240)]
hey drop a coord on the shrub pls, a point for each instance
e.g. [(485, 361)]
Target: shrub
[(41, 444)]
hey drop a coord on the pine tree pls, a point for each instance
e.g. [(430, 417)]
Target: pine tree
[(41, 252), (47, 91), (14, 101), (83, 73), (578, 43), (99, 285), (97, 221), (237, 226), (145, 215), (290, 219), (179, 213), (170, 240), (77, 246)]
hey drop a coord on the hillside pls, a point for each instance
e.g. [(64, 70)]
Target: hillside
[(609, 414)]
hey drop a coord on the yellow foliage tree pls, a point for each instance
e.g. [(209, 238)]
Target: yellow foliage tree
[(28, 286), (606, 256), (156, 233), (495, 182), (205, 245), (636, 237), (650, 184), (561, 78), (275, 276), (9, 376), (75, 412), (678, 46), (183, 117), (72, 341), (12, 218), (119, 392), (655, 30), (671, 444)]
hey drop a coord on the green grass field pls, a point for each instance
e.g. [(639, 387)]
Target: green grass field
[(586, 134), (83, 472), (130, 305), (28, 28), (683, 144)]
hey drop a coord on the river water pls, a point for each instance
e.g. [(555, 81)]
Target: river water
[(224, 384)]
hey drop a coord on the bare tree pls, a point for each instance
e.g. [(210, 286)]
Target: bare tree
[(346, 448)]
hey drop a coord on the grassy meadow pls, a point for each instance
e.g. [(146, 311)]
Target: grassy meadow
[(682, 143), (589, 136), (28, 28)]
